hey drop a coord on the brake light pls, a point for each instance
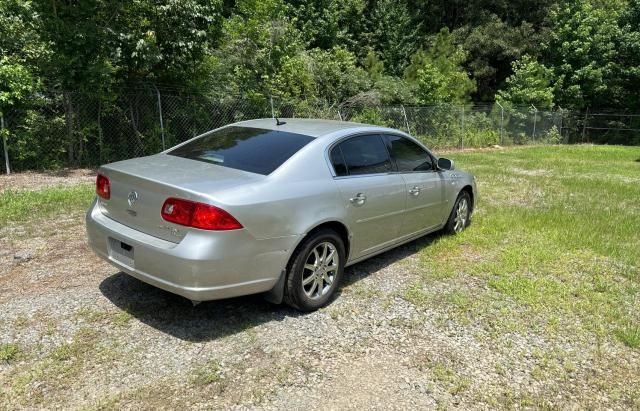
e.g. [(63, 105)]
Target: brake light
[(198, 215), (103, 187)]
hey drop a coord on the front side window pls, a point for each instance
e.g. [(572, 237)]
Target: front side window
[(249, 149), (361, 155), (408, 155)]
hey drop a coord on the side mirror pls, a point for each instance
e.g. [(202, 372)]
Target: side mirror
[(445, 164)]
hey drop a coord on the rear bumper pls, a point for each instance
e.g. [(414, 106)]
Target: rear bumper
[(204, 265)]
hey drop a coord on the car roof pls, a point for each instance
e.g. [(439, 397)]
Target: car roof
[(308, 127)]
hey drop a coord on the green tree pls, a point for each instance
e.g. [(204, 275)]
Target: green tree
[(16, 82), (22, 52), (256, 40), (629, 57), (295, 79), (530, 83), (392, 34), (438, 73), (584, 55), (491, 47), (96, 44), (336, 74), (326, 24), (373, 65)]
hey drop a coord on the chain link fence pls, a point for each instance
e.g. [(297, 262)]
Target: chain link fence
[(68, 129)]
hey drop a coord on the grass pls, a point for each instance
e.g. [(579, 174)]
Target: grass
[(554, 245), (18, 206), (553, 252), (9, 351), (207, 374), (60, 367)]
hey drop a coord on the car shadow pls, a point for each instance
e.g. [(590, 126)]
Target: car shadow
[(210, 320)]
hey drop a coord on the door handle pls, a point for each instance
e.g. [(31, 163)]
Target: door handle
[(415, 191), (359, 199)]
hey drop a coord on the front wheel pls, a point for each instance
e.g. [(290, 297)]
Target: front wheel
[(315, 271), (460, 215)]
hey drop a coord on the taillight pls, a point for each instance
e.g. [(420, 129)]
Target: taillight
[(198, 215), (103, 187)]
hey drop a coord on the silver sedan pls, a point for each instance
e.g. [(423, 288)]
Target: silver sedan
[(279, 207)]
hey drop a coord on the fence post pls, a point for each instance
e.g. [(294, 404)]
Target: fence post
[(562, 133), (584, 124), (160, 112), (339, 113), (273, 113), (535, 119), (406, 122), (462, 135), (100, 136), (501, 123), (4, 141)]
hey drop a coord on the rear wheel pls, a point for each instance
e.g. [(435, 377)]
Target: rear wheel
[(315, 271), (460, 215)]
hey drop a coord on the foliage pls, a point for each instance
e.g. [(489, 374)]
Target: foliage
[(530, 84), (20, 50), (371, 116), (326, 24), (337, 76), (490, 55), (16, 82), (313, 54), (8, 351), (438, 73), (552, 136), (392, 33), (584, 52)]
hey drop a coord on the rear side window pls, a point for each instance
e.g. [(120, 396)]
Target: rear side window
[(337, 159), (361, 155), (408, 155), (249, 149)]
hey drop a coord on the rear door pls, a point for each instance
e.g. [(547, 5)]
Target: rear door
[(424, 185), (373, 195)]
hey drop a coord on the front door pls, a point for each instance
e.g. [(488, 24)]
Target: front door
[(424, 184)]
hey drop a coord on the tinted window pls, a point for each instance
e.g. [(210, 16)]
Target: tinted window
[(408, 155), (363, 155), (250, 149), (337, 159)]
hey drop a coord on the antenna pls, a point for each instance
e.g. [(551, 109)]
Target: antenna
[(280, 123)]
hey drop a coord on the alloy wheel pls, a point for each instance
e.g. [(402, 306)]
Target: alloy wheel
[(320, 270), (461, 216)]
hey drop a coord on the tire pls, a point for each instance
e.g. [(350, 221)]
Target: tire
[(457, 223), (308, 288)]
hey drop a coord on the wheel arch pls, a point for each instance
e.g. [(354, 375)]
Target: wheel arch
[(469, 190), (334, 225)]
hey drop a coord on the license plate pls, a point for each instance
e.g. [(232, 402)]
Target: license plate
[(121, 252)]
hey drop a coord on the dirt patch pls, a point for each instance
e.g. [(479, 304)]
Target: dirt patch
[(33, 180)]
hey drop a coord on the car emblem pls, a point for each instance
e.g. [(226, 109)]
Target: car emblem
[(132, 198)]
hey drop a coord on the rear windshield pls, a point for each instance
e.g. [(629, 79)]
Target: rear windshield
[(249, 149)]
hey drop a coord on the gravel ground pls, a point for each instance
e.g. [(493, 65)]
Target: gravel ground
[(89, 337)]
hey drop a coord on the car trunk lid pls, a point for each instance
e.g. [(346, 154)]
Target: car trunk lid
[(139, 188)]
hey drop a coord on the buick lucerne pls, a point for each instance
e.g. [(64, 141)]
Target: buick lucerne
[(274, 207)]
